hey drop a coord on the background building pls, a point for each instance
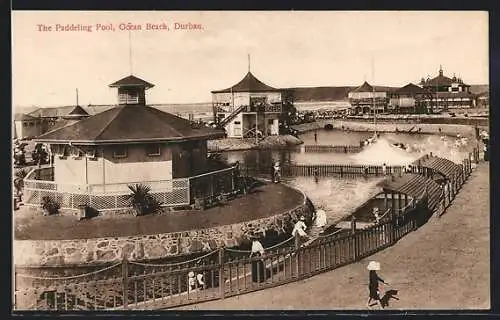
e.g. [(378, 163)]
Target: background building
[(248, 108), (447, 93), (483, 100), (26, 126), (408, 99), (367, 99)]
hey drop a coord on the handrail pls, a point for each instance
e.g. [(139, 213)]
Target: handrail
[(210, 173)]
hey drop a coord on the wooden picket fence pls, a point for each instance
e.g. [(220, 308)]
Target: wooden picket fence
[(332, 148), (325, 170)]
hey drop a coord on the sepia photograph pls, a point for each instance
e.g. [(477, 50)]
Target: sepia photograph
[(250, 160)]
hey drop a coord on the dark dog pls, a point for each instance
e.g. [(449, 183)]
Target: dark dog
[(389, 294)]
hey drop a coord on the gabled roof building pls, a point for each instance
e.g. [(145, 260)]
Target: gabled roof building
[(250, 108)]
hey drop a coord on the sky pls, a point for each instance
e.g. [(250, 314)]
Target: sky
[(287, 49)]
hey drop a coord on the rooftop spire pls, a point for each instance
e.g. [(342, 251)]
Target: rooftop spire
[(440, 70), (249, 62)]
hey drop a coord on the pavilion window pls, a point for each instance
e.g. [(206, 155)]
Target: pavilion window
[(120, 152), (153, 150), (90, 153), (76, 153)]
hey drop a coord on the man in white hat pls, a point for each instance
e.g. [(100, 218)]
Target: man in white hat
[(300, 227)]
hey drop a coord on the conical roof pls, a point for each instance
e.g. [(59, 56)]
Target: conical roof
[(130, 124), (410, 88), (77, 113), (131, 81), (382, 151), (248, 84), (365, 87)]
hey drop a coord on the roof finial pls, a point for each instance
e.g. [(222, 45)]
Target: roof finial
[(249, 62), (77, 96), (440, 70)]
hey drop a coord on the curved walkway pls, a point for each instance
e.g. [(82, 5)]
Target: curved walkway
[(267, 200), (443, 265)]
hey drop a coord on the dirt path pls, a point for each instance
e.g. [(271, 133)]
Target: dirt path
[(443, 265)]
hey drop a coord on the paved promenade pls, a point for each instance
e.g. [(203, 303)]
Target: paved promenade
[(443, 265)]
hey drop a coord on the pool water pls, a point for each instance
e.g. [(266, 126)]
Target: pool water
[(340, 197)]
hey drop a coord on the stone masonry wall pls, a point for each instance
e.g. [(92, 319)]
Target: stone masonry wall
[(145, 247)]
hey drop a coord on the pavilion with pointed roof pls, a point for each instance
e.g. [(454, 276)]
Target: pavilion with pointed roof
[(248, 109), (367, 99), (447, 93), (132, 143)]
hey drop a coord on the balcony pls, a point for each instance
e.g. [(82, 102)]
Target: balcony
[(128, 100), (266, 108)]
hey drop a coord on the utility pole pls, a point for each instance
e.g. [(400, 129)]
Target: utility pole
[(373, 96), (130, 50)]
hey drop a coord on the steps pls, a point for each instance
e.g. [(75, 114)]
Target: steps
[(230, 117)]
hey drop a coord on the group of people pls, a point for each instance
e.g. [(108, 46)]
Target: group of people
[(197, 282)]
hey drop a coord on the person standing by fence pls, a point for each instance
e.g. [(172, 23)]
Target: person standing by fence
[(258, 270), (300, 228), (191, 281), (320, 219), (384, 169), (276, 172)]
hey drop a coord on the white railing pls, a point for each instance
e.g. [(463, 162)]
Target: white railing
[(101, 197), (128, 100), (175, 192)]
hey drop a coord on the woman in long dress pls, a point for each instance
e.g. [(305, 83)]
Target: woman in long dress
[(258, 270), (373, 285)]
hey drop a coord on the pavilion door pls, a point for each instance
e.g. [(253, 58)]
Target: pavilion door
[(181, 162), (237, 128)]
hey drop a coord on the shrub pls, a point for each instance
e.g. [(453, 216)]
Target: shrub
[(142, 201), (50, 205)]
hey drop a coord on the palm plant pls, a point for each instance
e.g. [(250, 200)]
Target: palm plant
[(142, 201)]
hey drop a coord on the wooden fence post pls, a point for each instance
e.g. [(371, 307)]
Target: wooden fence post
[(444, 196), (297, 253), (221, 273), (354, 238), (14, 296), (125, 280)]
